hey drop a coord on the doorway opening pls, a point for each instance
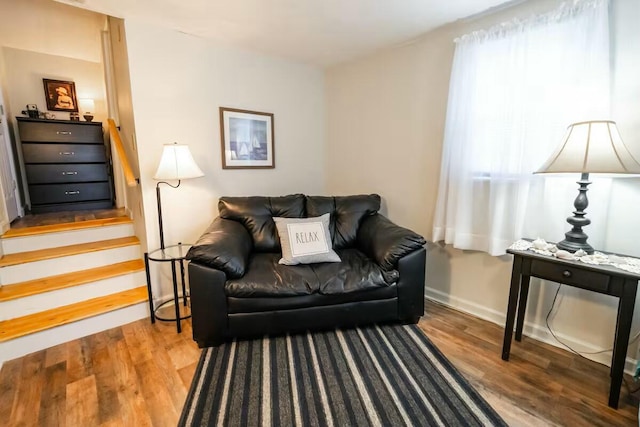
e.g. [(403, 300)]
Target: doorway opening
[(56, 160)]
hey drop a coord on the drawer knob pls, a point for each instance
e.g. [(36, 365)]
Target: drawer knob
[(70, 173), (63, 132), (566, 273), (71, 193), (66, 153)]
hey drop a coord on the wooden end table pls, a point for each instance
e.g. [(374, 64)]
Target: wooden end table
[(603, 279)]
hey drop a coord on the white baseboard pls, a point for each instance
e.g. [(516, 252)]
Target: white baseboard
[(535, 331)]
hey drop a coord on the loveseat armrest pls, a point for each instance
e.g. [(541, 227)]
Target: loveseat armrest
[(385, 242), (411, 286), (225, 246), (208, 305)]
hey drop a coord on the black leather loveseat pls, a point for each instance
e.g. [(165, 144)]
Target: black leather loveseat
[(238, 289)]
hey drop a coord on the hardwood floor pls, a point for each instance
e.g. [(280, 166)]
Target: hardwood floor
[(139, 374), (540, 385), (32, 220)]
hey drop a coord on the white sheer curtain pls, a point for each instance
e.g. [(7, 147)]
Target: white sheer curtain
[(514, 89)]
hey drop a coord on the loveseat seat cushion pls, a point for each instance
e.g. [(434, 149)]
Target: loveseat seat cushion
[(355, 273), (256, 305), (264, 277), (347, 212), (256, 214)]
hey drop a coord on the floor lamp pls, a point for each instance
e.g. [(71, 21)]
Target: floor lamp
[(588, 147), (176, 163)]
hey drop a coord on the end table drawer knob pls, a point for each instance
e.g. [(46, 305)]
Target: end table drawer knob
[(566, 273)]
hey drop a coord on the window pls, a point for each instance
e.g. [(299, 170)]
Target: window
[(514, 89)]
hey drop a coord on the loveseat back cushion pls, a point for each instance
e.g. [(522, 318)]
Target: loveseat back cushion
[(256, 214), (264, 277), (347, 212)]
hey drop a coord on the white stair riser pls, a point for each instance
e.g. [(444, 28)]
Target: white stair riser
[(52, 267), (40, 340), (48, 300), (65, 238)]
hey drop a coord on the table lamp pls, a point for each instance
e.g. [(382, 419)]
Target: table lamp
[(588, 147), (88, 107), (176, 163)]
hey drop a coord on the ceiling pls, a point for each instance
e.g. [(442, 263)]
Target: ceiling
[(322, 32)]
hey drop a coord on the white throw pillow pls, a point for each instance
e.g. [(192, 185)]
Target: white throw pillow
[(305, 240)]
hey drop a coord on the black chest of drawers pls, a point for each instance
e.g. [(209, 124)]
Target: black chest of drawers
[(65, 164)]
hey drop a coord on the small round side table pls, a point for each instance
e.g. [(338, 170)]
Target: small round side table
[(172, 254)]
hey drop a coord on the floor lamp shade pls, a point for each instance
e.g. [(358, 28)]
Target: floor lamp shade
[(588, 147), (176, 163)]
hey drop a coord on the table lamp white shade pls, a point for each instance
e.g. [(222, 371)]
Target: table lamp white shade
[(592, 147), (177, 163)]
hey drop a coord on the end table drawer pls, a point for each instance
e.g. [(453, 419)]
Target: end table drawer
[(570, 275)]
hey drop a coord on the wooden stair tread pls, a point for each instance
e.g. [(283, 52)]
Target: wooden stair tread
[(62, 281), (67, 226), (21, 326), (61, 251)]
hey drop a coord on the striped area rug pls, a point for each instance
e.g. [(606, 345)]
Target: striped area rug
[(374, 376)]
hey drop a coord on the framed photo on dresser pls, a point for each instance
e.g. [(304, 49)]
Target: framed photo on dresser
[(60, 95)]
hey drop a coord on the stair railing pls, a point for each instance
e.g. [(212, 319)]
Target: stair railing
[(114, 133)]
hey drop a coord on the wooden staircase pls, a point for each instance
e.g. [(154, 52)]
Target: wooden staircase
[(64, 281)]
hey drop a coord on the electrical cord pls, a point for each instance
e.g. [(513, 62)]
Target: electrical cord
[(582, 354), (555, 297)]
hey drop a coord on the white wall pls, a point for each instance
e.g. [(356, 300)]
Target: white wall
[(45, 39), (25, 71), (385, 125), (123, 114), (178, 82), (50, 27)]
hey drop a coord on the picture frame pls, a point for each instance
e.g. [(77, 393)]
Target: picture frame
[(60, 95), (247, 139)]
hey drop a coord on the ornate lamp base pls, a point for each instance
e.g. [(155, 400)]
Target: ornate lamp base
[(576, 238), (571, 246)]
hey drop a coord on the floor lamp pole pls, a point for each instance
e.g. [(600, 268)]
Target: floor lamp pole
[(159, 199)]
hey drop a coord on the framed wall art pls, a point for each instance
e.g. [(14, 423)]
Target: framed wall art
[(60, 95), (247, 139)]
